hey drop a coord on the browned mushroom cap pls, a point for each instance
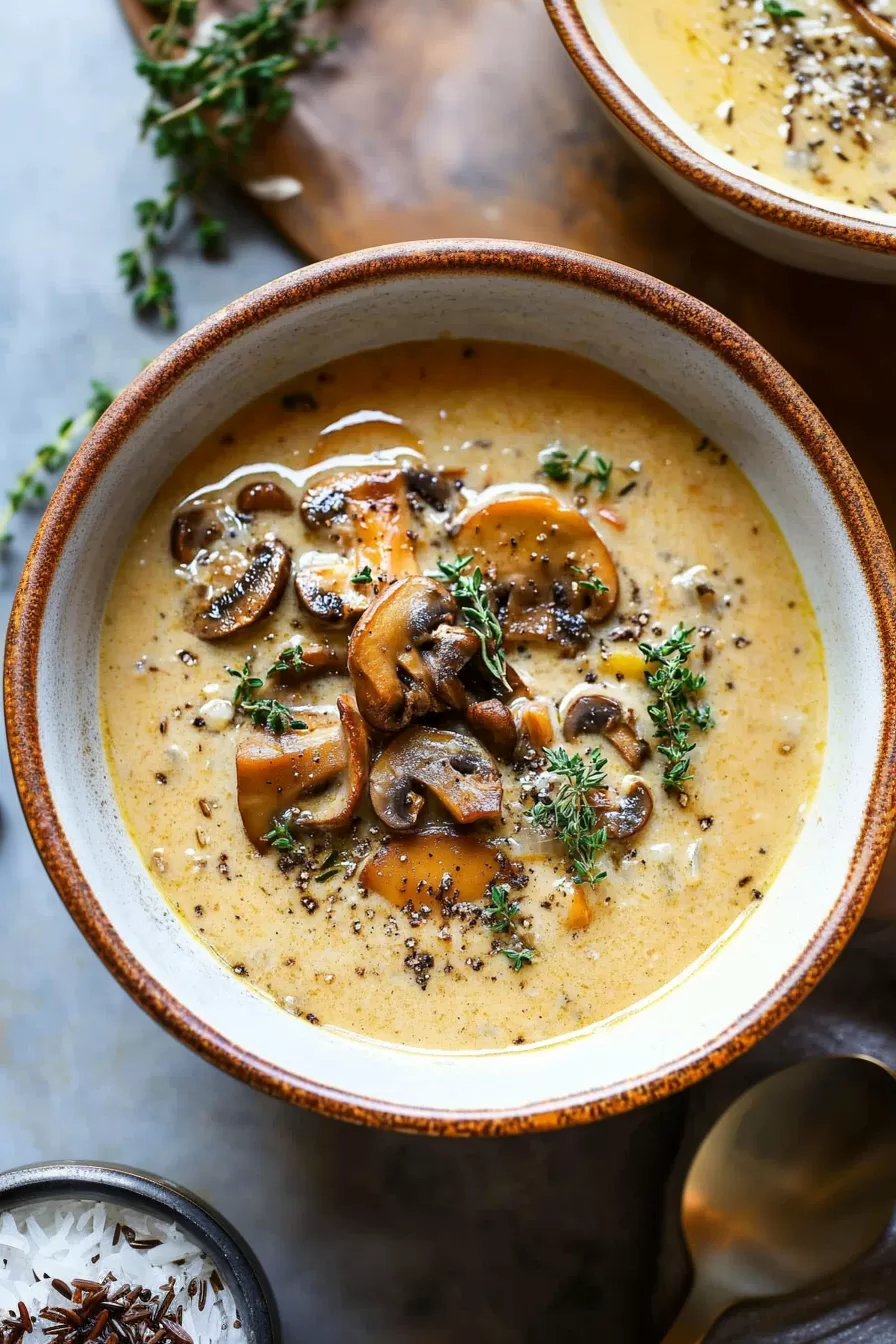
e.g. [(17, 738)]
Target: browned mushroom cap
[(493, 723), (315, 775), (584, 710), (368, 521), (553, 575), (405, 653), (623, 813), (455, 768), (254, 595), (263, 497), (193, 531)]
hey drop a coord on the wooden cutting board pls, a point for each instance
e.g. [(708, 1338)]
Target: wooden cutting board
[(440, 118)]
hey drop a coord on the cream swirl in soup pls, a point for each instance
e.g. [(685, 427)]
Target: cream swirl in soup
[(461, 695)]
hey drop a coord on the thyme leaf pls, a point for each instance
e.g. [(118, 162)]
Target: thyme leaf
[(595, 585), (290, 659), (273, 715), (31, 486), (502, 916), (471, 597), (270, 714), (673, 712), (332, 864), (558, 465), (568, 812), (779, 12), (280, 836), (207, 100)]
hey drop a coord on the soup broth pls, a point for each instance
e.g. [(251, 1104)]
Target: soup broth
[(797, 91), (410, 864)]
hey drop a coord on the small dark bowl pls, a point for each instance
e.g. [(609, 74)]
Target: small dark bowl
[(233, 1258)]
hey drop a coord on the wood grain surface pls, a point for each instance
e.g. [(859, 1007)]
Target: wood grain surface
[(440, 118)]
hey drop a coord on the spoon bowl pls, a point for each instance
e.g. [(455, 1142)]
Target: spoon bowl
[(795, 1181)]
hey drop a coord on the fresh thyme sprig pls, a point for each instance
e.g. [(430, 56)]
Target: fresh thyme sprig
[(246, 684), (207, 100), (270, 714), (558, 465), (280, 837), (471, 597), (273, 715), (31, 487), (502, 915), (569, 812), (673, 714), (290, 659)]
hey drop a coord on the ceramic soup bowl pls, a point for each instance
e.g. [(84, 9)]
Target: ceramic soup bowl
[(782, 222), (711, 372)]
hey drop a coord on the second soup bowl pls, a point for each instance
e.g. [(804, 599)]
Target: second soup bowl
[(677, 348)]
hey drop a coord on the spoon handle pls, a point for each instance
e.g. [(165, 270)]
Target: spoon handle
[(702, 1309)]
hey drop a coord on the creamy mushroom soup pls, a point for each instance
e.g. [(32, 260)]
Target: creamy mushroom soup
[(798, 91), (461, 695)]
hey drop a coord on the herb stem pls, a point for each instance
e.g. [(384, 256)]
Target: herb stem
[(31, 487)]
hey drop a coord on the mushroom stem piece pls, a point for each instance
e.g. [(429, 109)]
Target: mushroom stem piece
[(317, 775), (584, 710), (405, 654), (455, 768), (626, 812), (493, 722), (254, 595)]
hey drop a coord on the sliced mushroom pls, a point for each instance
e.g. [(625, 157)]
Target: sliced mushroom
[(584, 710), (536, 722), (368, 520), (626, 812), (493, 723), (436, 864), (263, 497), (455, 768), (316, 776), (193, 531), (405, 653), (552, 574), (254, 595)]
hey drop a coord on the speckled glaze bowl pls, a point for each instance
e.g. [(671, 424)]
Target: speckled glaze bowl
[(714, 374), (797, 227)]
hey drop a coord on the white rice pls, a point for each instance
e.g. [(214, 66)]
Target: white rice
[(73, 1239)]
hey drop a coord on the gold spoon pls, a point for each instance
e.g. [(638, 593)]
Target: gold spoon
[(876, 25), (795, 1181)]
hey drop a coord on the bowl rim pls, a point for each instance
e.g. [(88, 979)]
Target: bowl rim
[(357, 270), (232, 1254), (754, 198)]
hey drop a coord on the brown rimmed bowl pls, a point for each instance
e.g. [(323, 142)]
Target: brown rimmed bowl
[(800, 228), (679, 349)]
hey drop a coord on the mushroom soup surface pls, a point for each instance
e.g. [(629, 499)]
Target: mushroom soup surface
[(461, 695), (798, 91)]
